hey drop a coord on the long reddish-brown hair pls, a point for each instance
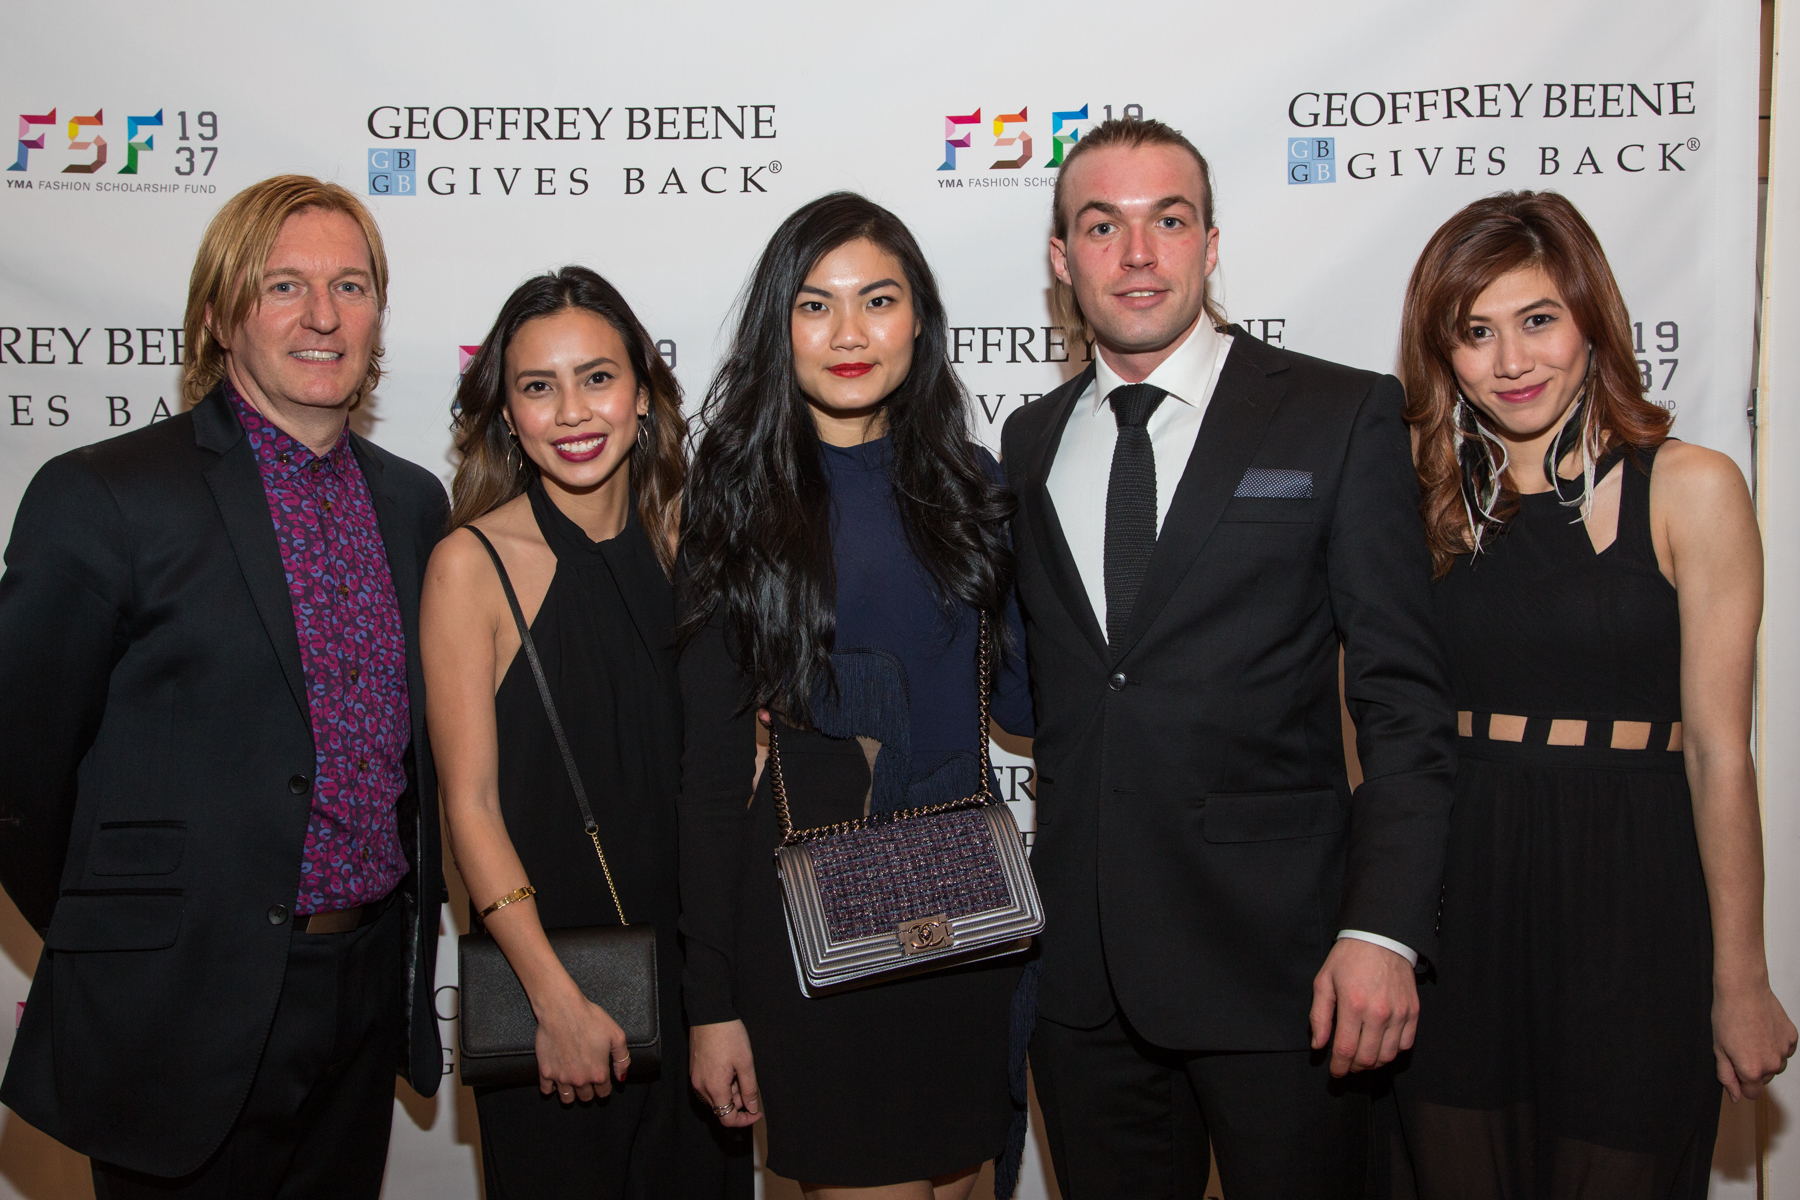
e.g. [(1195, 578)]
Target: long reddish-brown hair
[(1488, 239)]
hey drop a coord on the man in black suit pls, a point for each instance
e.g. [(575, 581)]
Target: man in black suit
[(1203, 520), (219, 805)]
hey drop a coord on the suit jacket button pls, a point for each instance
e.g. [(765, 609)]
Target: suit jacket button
[(299, 785), (1116, 681), (278, 914)]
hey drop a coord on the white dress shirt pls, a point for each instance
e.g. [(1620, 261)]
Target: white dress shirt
[(1083, 467)]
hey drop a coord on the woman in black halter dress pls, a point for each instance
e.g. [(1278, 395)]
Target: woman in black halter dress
[(570, 430), (1600, 970)]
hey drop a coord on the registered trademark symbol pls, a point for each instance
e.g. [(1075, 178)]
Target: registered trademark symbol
[(775, 167), (1693, 143)]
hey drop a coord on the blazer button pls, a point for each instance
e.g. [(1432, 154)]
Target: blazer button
[(1116, 681), (278, 914), (299, 785)]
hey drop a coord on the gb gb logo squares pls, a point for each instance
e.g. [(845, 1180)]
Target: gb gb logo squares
[(393, 171), (1312, 160)]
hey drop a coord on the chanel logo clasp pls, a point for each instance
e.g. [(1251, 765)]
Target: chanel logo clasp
[(926, 934)]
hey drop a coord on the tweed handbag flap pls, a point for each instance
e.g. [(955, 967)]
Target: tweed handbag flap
[(901, 893), (613, 965)]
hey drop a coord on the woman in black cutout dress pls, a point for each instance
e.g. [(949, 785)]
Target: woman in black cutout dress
[(570, 428), (1600, 969), (840, 524)]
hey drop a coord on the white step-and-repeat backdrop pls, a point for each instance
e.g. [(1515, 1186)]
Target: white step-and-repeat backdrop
[(661, 144)]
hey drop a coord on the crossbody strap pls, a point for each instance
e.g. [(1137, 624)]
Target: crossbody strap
[(529, 648)]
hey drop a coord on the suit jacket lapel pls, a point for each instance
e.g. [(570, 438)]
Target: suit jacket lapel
[(237, 489), (1046, 528), (1249, 388)]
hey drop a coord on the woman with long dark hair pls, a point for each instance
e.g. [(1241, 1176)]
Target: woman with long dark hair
[(571, 435), (843, 535), (1600, 972)]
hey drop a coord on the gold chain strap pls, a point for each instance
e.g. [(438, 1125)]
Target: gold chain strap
[(985, 795), (594, 836)]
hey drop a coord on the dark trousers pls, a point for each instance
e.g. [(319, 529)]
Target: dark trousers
[(316, 1121), (1126, 1118)]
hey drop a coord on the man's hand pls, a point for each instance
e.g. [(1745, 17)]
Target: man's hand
[(1370, 992)]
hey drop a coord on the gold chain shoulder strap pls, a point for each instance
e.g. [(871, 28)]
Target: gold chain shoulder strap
[(984, 795)]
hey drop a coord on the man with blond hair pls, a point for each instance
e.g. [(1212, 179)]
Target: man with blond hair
[(219, 805)]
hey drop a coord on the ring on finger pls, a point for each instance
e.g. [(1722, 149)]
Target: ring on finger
[(724, 1110)]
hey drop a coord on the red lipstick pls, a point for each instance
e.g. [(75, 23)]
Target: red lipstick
[(581, 448), (1523, 395), (851, 370)]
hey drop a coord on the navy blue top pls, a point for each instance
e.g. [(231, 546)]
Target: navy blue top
[(906, 668)]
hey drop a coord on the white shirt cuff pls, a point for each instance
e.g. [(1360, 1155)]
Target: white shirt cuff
[(1404, 951)]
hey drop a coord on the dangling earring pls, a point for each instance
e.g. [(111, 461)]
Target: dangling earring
[(1482, 470), (643, 433), (514, 455)]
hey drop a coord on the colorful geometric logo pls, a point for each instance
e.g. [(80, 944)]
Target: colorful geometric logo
[(27, 145), (958, 135), (96, 143), (91, 141), (465, 355), (132, 145), (1058, 138)]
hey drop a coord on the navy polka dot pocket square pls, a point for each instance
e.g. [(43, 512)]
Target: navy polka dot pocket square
[(1267, 483)]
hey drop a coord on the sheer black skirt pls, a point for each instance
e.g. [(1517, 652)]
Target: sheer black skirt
[(1565, 1035)]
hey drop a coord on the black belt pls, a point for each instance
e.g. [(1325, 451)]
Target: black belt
[(344, 920)]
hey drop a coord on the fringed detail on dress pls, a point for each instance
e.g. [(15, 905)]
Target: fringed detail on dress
[(870, 701), (957, 774)]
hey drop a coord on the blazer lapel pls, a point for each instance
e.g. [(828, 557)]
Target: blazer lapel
[(1242, 404), (1046, 528), (237, 489)]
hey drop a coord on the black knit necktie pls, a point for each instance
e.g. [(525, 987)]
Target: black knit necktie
[(1130, 504)]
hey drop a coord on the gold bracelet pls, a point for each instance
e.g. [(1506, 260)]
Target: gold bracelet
[(511, 897)]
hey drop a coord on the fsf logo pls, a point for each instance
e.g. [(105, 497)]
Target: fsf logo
[(393, 171), (88, 144), (1312, 160), (1011, 140)]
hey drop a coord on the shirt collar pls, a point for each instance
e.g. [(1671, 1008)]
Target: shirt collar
[(278, 453), (1184, 375)]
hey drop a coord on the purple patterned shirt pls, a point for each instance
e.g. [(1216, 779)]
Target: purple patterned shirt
[(353, 653)]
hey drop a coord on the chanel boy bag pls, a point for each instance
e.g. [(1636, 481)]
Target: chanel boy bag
[(896, 894)]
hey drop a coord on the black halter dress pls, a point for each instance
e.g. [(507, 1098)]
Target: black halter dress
[(1565, 1039), (605, 632)]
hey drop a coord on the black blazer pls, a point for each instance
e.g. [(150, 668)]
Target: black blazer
[(1198, 847), (153, 721)]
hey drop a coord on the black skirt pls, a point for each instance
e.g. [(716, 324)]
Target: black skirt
[(1564, 1044)]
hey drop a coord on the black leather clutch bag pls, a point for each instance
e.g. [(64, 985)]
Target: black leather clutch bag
[(613, 965)]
